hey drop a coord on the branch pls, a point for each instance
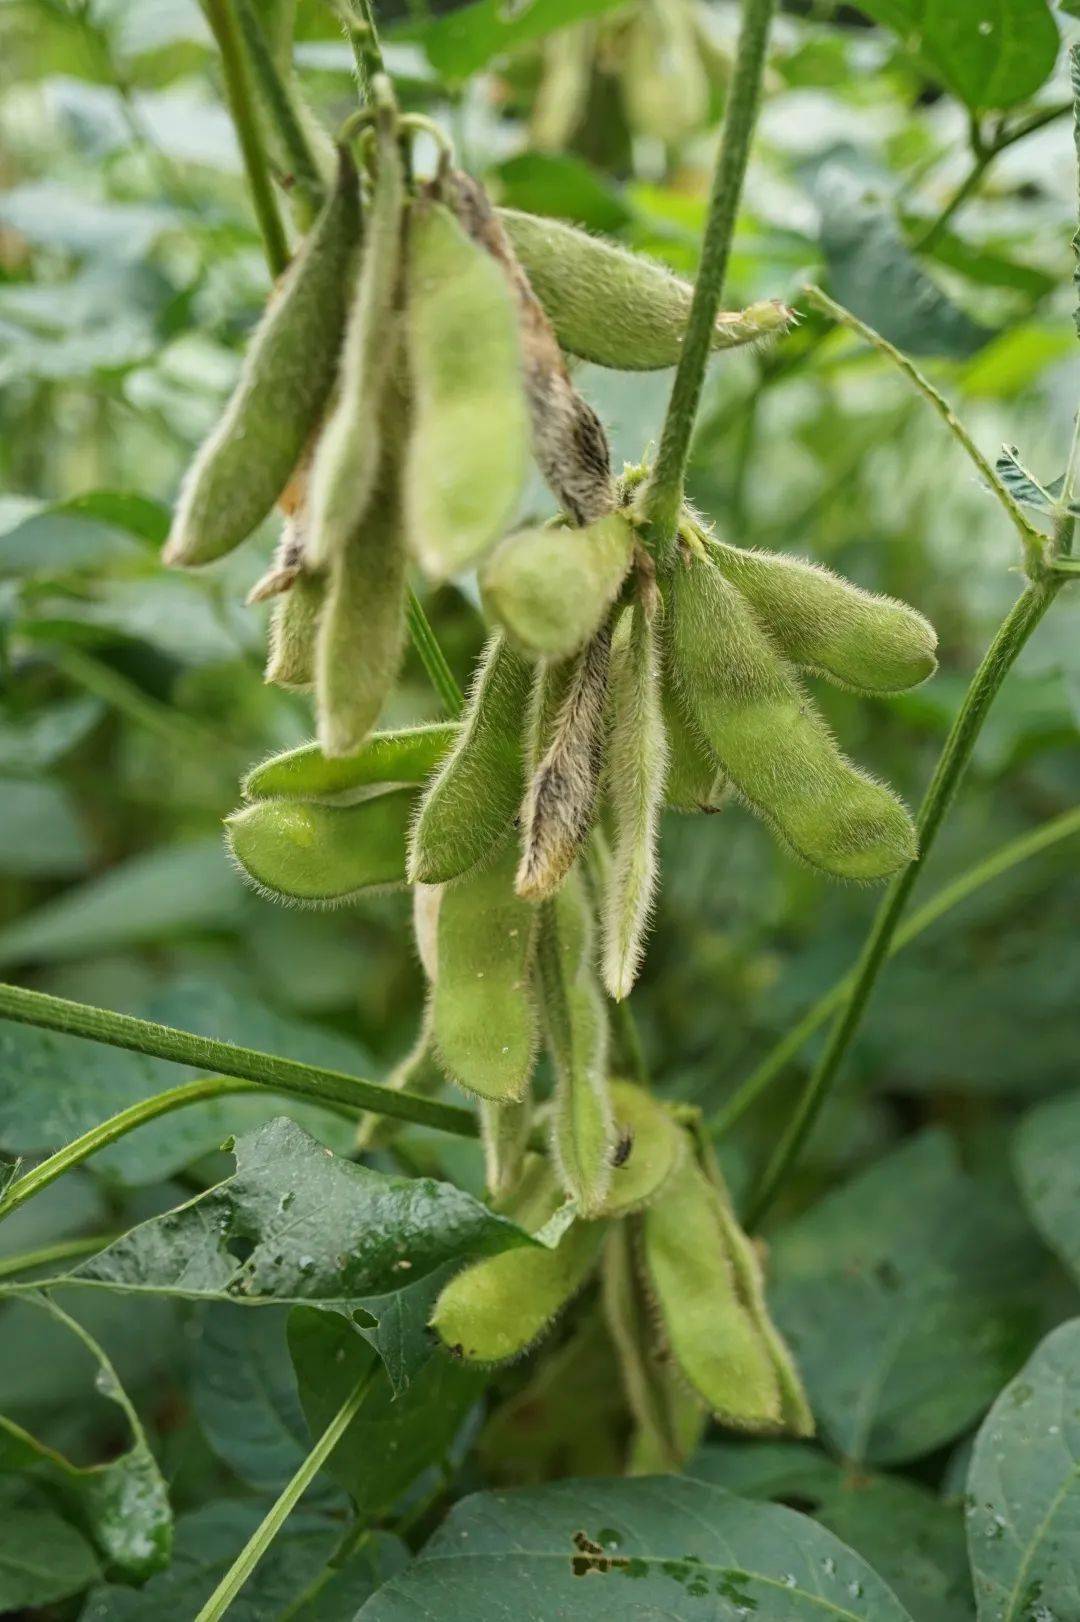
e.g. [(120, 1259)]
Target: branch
[(222, 20)]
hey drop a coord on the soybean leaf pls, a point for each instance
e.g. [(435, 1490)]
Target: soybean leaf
[(394, 1437), (87, 532), (459, 42), (940, 1275), (563, 186), (872, 272), (1024, 1490), (647, 1548), (56, 216), (40, 833), (990, 53), (1049, 1174), (244, 1394), (43, 1558), (295, 1225), (293, 1579), (30, 744)]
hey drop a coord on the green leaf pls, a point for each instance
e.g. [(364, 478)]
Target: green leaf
[(244, 1394), (990, 53), (41, 835), (88, 532), (665, 1547), (394, 1437), (55, 216), (43, 1559), (937, 1272), (563, 186), (1024, 486), (1024, 1491), (1046, 1167), (30, 744), (461, 41)]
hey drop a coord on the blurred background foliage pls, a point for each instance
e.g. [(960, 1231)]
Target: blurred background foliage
[(133, 699)]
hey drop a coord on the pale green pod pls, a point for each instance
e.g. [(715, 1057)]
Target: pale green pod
[(362, 626), (551, 588), (321, 854), (286, 378), (484, 1017), (664, 84), (469, 443), (695, 779), (704, 1321), (472, 802), (562, 95), (649, 1146), (637, 764), (617, 308), (294, 628), (771, 741), (854, 637), (347, 459), (408, 755), (504, 1133), (497, 1308)]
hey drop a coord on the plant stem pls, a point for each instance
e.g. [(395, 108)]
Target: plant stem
[(222, 19), (64, 1250), (949, 896), (983, 157), (328, 1087), (1012, 634), (265, 1533), (432, 657), (664, 493), (281, 109)]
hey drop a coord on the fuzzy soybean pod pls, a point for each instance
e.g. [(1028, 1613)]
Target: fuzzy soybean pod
[(856, 638), (474, 799), (772, 743), (407, 755), (649, 1146), (551, 588), (504, 1133), (469, 444), (347, 460), (294, 628), (484, 1019), (284, 384), (637, 756), (617, 308), (695, 779), (319, 855), (496, 1309)]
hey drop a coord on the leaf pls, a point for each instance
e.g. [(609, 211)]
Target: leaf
[(41, 835), (461, 41), (43, 1559), (1024, 1491), (30, 744), (688, 1550), (122, 1504), (1049, 1176), (1024, 486), (244, 1394), (295, 1565), (563, 186), (85, 533), (939, 1275), (296, 1225), (990, 53), (55, 216), (872, 272), (394, 1437)]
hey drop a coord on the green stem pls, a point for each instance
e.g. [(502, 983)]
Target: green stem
[(281, 110), (982, 159), (664, 493), (328, 1087), (1012, 635), (432, 657), (64, 1250), (949, 896), (222, 20), (265, 1533)]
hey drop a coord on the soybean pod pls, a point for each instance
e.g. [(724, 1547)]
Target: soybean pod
[(551, 588), (318, 855)]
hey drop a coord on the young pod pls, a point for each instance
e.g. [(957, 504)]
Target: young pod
[(408, 755), (617, 308), (771, 742), (664, 84), (853, 637), (551, 588), (636, 774), (504, 1133), (294, 628), (695, 779), (474, 799), (317, 855), (284, 384), (649, 1146), (496, 1309), (562, 96), (483, 1015), (468, 447), (347, 460)]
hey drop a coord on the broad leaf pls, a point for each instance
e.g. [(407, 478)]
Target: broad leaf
[(1046, 1166), (43, 1558), (460, 41), (41, 835), (937, 1272), (244, 1394), (1024, 1491), (990, 53), (31, 744), (651, 1548)]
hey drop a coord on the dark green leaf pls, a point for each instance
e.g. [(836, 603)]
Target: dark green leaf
[(563, 186), (244, 1395), (990, 53), (32, 743), (1048, 1169), (87, 532), (40, 833), (43, 1558), (1024, 1491), (1024, 486)]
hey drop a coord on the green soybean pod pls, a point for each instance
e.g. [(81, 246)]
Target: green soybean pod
[(617, 308), (649, 1146), (407, 755), (496, 1309), (347, 460), (468, 448), (695, 779), (664, 85), (484, 1018), (284, 384), (636, 773), (770, 740), (504, 1133), (474, 798), (704, 1322), (551, 588), (294, 628), (860, 640), (318, 855)]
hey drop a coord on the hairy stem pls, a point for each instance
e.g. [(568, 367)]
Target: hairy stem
[(1012, 635), (664, 493), (222, 19)]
